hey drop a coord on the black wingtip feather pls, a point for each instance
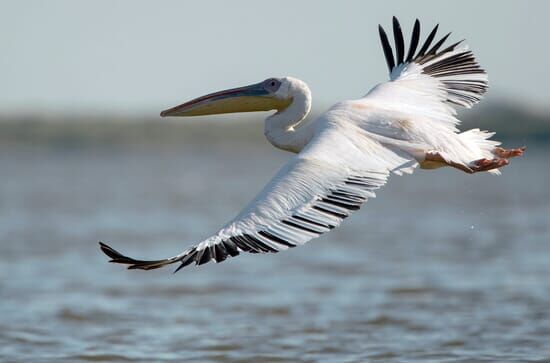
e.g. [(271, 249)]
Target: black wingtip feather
[(399, 42), (117, 257), (204, 257), (230, 248), (438, 44), (432, 53), (187, 260), (427, 42), (452, 46), (218, 252), (388, 53), (415, 37)]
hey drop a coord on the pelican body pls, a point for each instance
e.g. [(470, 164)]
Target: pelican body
[(348, 152)]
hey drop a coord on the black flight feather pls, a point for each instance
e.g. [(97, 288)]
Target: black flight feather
[(399, 42), (388, 53), (432, 53), (438, 44), (451, 47), (117, 257), (414, 40), (427, 42)]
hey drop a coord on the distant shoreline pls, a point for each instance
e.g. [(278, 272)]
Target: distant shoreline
[(512, 125)]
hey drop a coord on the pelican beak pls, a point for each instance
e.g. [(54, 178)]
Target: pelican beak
[(243, 99)]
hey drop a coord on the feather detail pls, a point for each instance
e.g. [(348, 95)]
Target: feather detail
[(457, 70)]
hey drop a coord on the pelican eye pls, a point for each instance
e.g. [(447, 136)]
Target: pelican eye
[(272, 84)]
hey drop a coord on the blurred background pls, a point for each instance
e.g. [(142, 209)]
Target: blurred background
[(442, 266)]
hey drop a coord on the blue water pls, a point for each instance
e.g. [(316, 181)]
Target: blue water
[(441, 267)]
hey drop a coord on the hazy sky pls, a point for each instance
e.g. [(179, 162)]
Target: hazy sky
[(142, 56)]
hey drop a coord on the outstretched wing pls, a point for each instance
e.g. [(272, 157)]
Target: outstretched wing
[(332, 177), (429, 81)]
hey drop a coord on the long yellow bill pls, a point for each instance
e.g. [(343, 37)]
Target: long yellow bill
[(243, 99)]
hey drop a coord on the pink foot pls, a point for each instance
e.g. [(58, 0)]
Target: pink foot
[(509, 153), (488, 164)]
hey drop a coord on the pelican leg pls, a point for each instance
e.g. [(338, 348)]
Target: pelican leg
[(509, 153), (433, 160)]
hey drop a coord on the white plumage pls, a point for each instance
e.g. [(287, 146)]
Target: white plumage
[(348, 152)]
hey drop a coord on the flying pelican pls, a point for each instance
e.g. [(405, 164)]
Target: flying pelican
[(349, 151)]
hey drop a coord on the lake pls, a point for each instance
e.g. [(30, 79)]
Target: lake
[(441, 267)]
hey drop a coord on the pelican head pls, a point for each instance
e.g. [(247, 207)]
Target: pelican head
[(271, 94)]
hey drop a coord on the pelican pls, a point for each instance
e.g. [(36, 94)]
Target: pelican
[(343, 156)]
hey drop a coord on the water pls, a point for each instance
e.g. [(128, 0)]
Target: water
[(441, 267)]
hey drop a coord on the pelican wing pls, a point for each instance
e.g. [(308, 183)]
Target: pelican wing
[(318, 188), (428, 82)]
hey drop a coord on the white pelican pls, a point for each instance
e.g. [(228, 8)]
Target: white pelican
[(349, 151)]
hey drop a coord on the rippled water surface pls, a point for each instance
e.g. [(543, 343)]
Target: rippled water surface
[(441, 267)]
